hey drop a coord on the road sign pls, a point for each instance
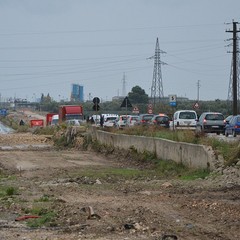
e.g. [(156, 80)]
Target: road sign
[(96, 107), (135, 109), (126, 103), (96, 100), (196, 105), (150, 111), (173, 104), (150, 106), (173, 100)]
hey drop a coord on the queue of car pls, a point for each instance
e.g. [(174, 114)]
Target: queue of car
[(207, 122)]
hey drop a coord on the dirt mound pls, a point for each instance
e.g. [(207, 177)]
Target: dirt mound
[(23, 138)]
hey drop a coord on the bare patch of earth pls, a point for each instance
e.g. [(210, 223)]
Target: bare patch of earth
[(105, 206)]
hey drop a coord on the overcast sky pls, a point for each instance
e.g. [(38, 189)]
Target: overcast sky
[(46, 45)]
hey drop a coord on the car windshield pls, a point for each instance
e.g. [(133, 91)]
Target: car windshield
[(147, 117), (162, 119), (110, 119), (124, 118), (134, 118), (214, 116), (187, 115)]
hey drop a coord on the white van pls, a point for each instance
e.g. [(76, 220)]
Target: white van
[(185, 119)]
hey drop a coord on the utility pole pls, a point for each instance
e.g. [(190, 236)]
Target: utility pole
[(234, 68)]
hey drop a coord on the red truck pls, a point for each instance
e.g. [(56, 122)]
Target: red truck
[(67, 112), (49, 118), (36, 123)]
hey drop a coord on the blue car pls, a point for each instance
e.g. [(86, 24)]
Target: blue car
[(233, 127)]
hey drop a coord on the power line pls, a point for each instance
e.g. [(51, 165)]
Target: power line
[(110, 29)]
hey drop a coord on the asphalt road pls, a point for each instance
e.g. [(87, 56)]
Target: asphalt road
[(4, 129), (222, 137)]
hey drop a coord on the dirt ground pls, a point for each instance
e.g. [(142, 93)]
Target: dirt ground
[(103, 206)]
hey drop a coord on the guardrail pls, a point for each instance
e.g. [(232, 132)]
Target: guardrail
[(191, 155)]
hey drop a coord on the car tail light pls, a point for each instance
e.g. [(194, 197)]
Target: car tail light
[(236, 126), (204, 121)]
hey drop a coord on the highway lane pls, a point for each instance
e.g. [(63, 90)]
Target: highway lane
[(4, 129)]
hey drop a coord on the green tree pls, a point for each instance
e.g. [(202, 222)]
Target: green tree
[(138, 95)]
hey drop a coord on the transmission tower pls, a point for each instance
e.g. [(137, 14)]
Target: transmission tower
[(124, 85), (233, 90), (157, 85)]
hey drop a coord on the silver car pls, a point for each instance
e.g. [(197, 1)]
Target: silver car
[(132, 120), (211, 122)]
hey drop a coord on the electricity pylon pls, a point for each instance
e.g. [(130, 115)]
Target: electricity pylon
[(124, 85), (157, 84)]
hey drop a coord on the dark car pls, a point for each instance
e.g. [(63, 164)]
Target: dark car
[(211, 122), (233, 126), (144, 119), (161, 120)]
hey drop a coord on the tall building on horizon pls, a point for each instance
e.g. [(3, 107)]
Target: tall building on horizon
[(77, 93)]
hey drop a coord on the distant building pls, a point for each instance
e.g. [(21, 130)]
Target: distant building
[(77, 93), (116, 98)]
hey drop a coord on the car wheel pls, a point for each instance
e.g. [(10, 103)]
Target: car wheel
[(234, 134)]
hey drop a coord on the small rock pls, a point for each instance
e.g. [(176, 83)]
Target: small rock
[(98, 181), (167, 185), (137, 226)]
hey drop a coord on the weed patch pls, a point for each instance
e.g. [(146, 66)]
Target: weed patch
[(7, 191), (46, 219), (48, 130), (44, 198), (167, 168), (196, 174)]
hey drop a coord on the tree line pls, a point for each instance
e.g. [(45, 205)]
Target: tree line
[(141, 100)]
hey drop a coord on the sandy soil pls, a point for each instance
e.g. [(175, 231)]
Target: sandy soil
[(104, 206)]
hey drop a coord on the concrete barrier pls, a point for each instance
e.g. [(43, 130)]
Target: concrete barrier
[(191, 155)]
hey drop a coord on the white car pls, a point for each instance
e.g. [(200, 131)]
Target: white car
[(185, 119), (121, 122), (110, 120), (73, 122), (132, 120)]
